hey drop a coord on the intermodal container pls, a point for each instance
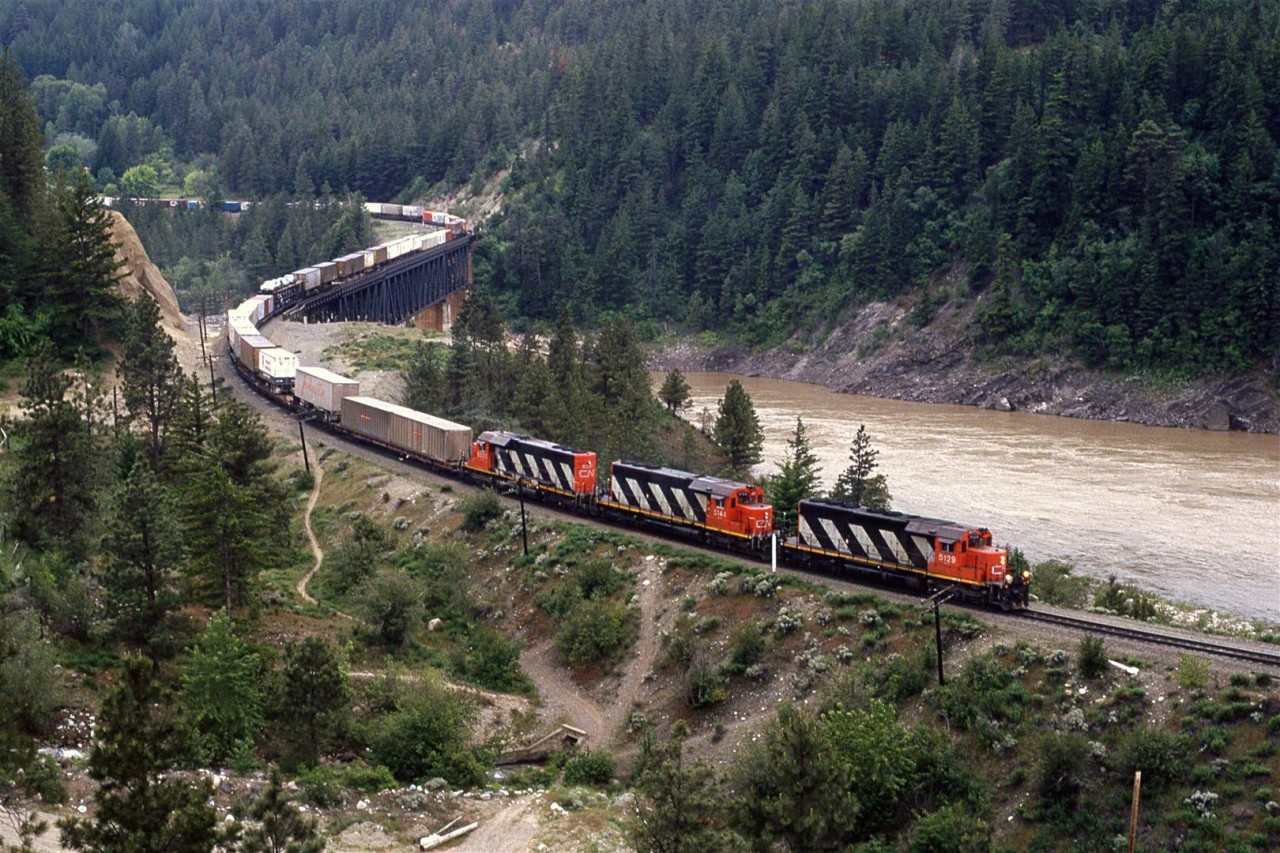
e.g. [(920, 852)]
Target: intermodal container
[(193, 204), (231, 206), (412, 211), (328, 272), (372, 207), (250, 347), (435, 238), (379, 255), (323, 389), (408, 430), (439, 218), (392, 210), (308, 277), (277, 363)]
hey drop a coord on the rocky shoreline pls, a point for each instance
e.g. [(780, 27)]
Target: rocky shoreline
[(879, 355)]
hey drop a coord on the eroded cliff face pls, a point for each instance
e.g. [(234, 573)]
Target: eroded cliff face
[(140, 275), (880, 353)]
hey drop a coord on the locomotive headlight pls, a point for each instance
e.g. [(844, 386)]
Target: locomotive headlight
[(1026, 576)]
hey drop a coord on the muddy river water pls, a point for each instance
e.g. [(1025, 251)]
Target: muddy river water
[(1192, 515)]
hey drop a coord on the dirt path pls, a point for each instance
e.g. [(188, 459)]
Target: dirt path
[(316, 550), (512, 828), (562, 696)]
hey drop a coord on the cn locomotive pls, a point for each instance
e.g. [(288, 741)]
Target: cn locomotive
[(719, 512)]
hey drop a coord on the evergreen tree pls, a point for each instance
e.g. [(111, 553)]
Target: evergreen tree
[(150, 377), (621, 384), (737, 428), (53, 489), (78, 268), (142, 551), (231, 503), (674, 393), (797, 477), (792, 789), (313, 694), (278, 825), (138, 810), (680, 808), (22, 178), (858, 484)]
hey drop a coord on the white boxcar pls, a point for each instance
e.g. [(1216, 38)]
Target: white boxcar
[(323, 388)]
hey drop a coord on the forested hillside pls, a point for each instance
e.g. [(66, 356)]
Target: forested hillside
[(1096, 176)]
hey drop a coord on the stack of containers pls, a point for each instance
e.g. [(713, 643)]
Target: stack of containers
[(309, 277)]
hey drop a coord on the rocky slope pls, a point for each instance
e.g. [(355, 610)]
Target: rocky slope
[(140, 275), (880, 353)]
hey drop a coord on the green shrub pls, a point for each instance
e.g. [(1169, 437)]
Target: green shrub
[(951, 829), (704, 685), (391, 603), (1053, 583), (222, 695), (1092, 658), (479, 509), (321, 786), (1162, 756), (746, 647), (592, 767), (1063, 768), (491, 660), (427, 738), (371, 780), (594, 631), (1193, 673)]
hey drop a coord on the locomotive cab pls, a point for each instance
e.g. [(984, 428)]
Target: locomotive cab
[(741, 510)]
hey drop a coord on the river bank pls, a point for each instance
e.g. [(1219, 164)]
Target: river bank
[(881, 354)]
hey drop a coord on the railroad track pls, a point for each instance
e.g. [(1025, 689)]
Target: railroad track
[(1158, 638)]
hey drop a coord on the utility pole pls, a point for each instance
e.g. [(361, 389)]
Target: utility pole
[(303, 437), (524, 527), (1133, 815), (937, 599)]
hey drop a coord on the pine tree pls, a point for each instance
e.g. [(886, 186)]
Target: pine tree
[(142, 551), (858, 484), (138, 810), (680, 806), (791, 788), (797, 477), (621, 384), (279, 826), (150, 377), (313, 693), (737, 428), (78, 268), (21, 142), (675, 392), (231, 503), (53, 487)]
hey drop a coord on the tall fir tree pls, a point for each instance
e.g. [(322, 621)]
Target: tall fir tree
[(675, 392), (142, 552), (737, 428), (54, 485), (859, 484), (150, 377), (21, 142), (797, 477)]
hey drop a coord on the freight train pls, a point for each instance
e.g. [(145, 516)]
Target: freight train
[(722, 513)]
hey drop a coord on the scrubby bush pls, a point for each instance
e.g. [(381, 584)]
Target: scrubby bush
[(391, 603), (951, 829), (428, 737), (746, 647), (704, 685), (591, 767), (1162, 756), (1063, 768), (491, 660), (1091, 661), (594, 631), (1193, 673), (479, 509), (222, 695)]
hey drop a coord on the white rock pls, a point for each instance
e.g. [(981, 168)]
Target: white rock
[(363, 805), (82, 809), (559, 809)]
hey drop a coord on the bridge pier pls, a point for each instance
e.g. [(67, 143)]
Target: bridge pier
[(439, 317)]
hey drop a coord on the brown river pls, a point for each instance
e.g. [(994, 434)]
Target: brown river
[(1192, 515)]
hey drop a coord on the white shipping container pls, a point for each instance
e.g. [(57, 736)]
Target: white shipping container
[(439, 218), (435, 238), (277, 363), (413, 211), (323, 388), (392, 210), (372, 207)]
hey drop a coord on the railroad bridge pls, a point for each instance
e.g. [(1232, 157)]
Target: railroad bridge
[(396, 291)]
